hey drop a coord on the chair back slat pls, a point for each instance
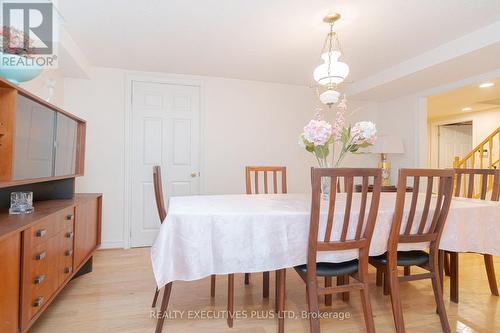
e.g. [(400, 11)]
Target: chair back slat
[(437, 210), (347, 212), (266, 172), (458, 184), (413, 206), (362, 208), (158, 188), (265, 182), (331, 210), (347, 236), (256, 183), (470, 190), (428, 197), (275, 182), (428, 229), (487, 180), (484, 186), (495, 192)]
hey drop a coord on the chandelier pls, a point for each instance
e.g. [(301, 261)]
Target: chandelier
[(331, 72)]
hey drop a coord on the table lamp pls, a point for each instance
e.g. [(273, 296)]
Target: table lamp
[(387, 144)]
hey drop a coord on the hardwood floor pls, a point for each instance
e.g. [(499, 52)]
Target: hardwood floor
[(117, 296)]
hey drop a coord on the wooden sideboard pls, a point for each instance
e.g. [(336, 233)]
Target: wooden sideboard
[(42, 150), (41, 252)]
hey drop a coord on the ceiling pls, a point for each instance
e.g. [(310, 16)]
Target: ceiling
[(452, 102), (275, 41)]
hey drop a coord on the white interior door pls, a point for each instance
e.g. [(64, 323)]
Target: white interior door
[(165, 132), (454, 140)]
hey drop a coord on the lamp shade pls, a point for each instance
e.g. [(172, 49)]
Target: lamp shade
[(387, 144)]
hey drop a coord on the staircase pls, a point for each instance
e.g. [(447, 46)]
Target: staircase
[(485, 156)]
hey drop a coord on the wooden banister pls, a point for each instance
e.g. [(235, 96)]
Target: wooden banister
[(475, 158)]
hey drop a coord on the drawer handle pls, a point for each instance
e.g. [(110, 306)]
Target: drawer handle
[(70, 217), (39, 279), (69, 234), (68, 270), (41, 233), (40, 256), (38, 302), (68, 253)]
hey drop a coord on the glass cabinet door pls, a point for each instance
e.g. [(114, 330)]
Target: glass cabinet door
[(34, 140), (65, 145), (45, 142)]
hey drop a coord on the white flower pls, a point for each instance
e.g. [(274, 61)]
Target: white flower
[(364, 132)]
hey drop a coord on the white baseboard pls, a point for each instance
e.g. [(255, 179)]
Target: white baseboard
[(112, 245)]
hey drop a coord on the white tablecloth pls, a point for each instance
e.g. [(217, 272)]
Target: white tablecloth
[(204, 235)]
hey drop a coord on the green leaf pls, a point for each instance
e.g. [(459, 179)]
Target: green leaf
[(321, 151), (345, 135)]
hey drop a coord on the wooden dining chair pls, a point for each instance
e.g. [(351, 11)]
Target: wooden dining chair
[(481, 184), (162, 213), (427, 229), (350, 232), (160, 205)]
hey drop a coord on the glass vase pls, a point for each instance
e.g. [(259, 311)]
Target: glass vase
[(325, 187)]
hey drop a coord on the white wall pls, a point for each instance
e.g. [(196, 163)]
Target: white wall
[(405, 117), (37, 86)]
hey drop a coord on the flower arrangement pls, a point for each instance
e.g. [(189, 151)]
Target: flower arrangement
[(319, 135), (14, 41)]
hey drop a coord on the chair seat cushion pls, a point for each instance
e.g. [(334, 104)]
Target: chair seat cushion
[(332, 269), (405, 258)]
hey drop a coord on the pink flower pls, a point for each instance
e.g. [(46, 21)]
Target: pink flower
[(318, 132), (338, 125)]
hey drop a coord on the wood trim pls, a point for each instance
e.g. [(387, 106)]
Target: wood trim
[(33, 181), (10, 256), (80, 149), (99, 221), (26, 261), (7, 130)]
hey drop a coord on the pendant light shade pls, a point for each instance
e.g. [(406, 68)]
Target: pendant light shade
[(335, 73), (329, 97)]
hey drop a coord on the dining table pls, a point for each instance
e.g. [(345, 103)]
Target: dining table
[(239, 233)]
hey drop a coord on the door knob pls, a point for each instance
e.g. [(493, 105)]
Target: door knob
[(194, 174)]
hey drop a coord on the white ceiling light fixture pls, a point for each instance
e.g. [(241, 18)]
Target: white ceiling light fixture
[(329, 97), (333, 71), (467, 109), (486, 85)]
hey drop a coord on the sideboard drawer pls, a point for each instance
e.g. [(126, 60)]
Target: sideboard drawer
[(43, 272), (38, 299), (50, 226), (67, 218), (66, 251), (42, 231)]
